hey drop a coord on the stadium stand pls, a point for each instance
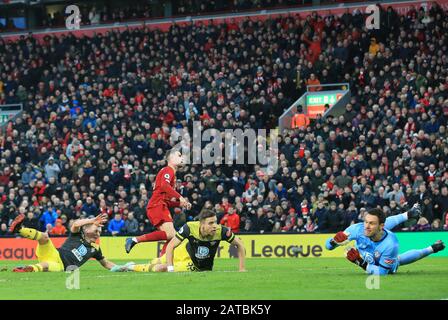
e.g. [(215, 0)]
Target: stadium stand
[(97, 113)]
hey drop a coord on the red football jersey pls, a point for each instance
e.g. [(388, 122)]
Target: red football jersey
[(164, 189)]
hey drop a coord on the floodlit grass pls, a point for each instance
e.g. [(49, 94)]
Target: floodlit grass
[(293, 278)]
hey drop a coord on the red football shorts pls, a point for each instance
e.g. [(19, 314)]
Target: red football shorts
[(158, 215)]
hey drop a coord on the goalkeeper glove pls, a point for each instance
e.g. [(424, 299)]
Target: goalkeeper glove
[(339, 239), (354, 256), (415, 211)]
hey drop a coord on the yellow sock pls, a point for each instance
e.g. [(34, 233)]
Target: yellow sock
[(143, 267), (29, 233), (55, 267), (37, 267)]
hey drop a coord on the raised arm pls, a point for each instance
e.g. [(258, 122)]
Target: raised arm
[(169, 190), (343, 237), (99, 220)]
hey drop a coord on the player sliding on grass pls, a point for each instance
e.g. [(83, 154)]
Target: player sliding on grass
[(197, 253), (376, 246), (158, 206), (79, 247)]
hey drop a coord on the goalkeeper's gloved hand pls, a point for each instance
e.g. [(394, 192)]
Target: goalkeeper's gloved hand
[(339, 239), (415, 211), (354, 256)]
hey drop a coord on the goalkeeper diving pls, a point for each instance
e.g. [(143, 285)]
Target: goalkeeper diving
[(192, 249), (376, 246)]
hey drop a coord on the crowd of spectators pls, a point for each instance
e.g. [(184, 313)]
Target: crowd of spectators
[(92, 14), (98, 113)]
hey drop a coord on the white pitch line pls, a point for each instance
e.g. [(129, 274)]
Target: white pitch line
[(122, 274)]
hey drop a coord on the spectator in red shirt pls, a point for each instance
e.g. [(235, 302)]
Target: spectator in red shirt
[(167, 116), (313, 81), (58, 229), (231, 220), (318, 25), (39, 190), (290, 220), (209, 45), (314, 46), (225, 205), (109, 92), (104, 209), (4, 177)]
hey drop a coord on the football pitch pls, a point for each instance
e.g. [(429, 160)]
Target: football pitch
[(293, 278)]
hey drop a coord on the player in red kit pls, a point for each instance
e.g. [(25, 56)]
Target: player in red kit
[(164, 197)]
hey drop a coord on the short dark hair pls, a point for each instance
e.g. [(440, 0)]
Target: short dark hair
[(206, 213), (169, 153), (379, 213)]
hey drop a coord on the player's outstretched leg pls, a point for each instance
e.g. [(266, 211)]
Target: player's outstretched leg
[(153, 236), (415, 255), (144, 267), (129, 244), (29, 233), (393, 221), (165, 231), (156, 265), (32, 234)]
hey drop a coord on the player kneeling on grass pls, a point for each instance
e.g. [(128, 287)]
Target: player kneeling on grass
[(376, 246), (79, 247), (193, 248)]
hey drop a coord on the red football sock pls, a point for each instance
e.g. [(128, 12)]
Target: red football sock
[(153, 236)]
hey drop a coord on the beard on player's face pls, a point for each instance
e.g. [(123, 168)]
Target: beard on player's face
[(209, 227), (177, 160), (210, 231)]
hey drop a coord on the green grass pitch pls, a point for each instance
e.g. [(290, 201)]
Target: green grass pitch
[(329, 278)]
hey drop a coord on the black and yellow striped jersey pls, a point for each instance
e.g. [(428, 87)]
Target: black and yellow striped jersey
[(202, 251)]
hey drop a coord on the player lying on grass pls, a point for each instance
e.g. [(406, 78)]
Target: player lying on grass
[(376, 246), (79, 247), (193, 248)]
